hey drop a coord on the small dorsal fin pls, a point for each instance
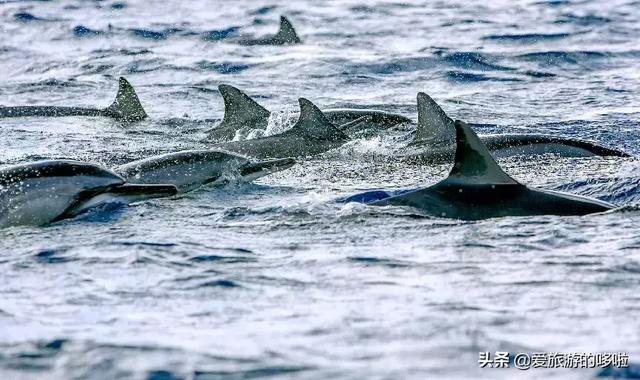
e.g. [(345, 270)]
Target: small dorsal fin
[(240, 110), (286, 34), (312, 123), (473, 162), (434, 126), (126, 106)]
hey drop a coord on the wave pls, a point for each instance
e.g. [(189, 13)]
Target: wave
[(615, 190), (461, 76), (527, 37), (148, 34), (554, 58), (83, 31), (473, 61), (586, 20), (51, 256), (220, 34), (28, 17), (223, 67)]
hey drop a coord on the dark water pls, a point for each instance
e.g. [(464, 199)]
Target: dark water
[(275, 279)]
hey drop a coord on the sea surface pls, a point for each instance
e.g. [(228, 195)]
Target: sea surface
[(278, 280)]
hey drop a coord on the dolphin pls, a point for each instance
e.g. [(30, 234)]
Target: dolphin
[(312, 134), (190, 169), (242, 113), (125, 107), (286, 36), (47, 191), (434, 139), (477, 188)]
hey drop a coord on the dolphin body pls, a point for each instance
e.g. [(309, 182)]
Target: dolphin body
[(241, 113), (190, 169), (47, 191), (435, 140), (286, 36), (126, 107), (477, 188), (311, 135)]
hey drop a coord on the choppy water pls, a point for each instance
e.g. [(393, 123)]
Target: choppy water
[(275, 279)]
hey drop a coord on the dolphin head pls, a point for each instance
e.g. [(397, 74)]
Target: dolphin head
[(84, 175), (39, 192), (252, 170)]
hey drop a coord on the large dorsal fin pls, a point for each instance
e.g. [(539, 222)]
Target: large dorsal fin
[(434, 126), (127, 105), (286, 34), (312, 123), (474, 165), (240, 111)]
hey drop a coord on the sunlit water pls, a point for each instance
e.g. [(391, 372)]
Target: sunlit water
[(276, 279)]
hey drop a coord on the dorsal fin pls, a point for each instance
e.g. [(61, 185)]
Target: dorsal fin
[(312, 123), (127, 105), (286, 34), (434, 126), (240, 110), (473, 162)]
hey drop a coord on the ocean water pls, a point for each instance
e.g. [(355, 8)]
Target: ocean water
[(276, 279)]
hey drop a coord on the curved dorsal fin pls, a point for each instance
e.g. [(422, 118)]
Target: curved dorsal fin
[(473, 162), (126, 106), (240, 110), (434, 126), (312, 123), (286, 34)]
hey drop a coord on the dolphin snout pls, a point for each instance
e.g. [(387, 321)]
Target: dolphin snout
[(147, 191), (261, 168)]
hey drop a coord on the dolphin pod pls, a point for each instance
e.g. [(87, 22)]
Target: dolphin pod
[(312, 134), (476, 188), (125, 107), (242, 113), (43, 192), (434, 139)]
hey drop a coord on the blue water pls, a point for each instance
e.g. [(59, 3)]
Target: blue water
[(276, 279)]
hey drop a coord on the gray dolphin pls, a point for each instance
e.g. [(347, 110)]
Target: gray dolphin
[(241, 112), (312, 134), (286, 36), (435, 138), (190, 169), (477, 188), (46, 191), (125, 107)]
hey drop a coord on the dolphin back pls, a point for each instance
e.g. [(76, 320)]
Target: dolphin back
[(126, 106), (313, 124), (286, 35), (240, 112), (434, 126), (477, 188)]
